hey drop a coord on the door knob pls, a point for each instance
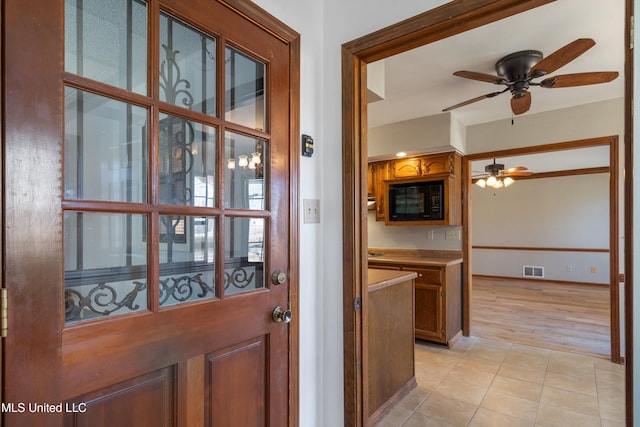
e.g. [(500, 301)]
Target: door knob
[(281, 315), (278, 277)]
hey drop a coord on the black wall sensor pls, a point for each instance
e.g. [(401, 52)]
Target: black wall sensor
[(307, 145)]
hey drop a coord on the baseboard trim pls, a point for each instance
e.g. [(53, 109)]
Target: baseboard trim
[(454, 339), (393, 400)]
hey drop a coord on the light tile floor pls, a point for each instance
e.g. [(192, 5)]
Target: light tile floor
[(481, 382)]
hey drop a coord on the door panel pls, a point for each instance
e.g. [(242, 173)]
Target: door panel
[(238, 375), (428, 312), (127, 403), (156, 309)]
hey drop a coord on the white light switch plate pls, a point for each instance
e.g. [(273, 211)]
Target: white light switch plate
[(311, 209)]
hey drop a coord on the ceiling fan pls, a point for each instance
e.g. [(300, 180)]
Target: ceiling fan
[(517, 71), (496, 176)]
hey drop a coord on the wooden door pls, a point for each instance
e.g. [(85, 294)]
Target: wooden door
[(146, 211)]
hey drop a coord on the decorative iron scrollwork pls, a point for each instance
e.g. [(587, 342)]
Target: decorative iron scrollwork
[(85, 301), (171, 83), (239, 278), (101, 300), (181, 289)]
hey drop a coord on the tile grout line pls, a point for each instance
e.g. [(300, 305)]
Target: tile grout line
[(544, 380), (487, 390)]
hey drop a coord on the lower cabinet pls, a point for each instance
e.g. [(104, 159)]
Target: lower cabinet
[(438, 303), (437, 299), (429, 306)]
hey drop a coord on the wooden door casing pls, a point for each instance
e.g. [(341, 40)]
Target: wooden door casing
[(148, 368)]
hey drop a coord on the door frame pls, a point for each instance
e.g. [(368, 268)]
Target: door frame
[(452, 18), (614, 260)]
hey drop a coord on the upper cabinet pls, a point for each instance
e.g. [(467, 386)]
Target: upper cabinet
[(443, 168), (370, 178), (423, 166), (378, 173), (405, 168)]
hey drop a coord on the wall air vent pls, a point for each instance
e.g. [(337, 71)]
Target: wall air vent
[(531, 271)]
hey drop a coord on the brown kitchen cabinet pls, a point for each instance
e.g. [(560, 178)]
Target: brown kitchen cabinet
[(378, 173), (433, 164), (438, 303), (437, 298), (444, 167), (370, 179), (406, 168)]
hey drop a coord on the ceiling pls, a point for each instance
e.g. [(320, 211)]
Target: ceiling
[(421, 83)]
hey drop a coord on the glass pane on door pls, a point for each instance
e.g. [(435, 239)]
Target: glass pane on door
[(245, 101), (187, 66), (187, 162), (187, 258), (106, 41), (105, 263), (245, 172), (105, 150), (244, 257)]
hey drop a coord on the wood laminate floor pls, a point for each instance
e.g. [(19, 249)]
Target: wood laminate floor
[(565, 317)]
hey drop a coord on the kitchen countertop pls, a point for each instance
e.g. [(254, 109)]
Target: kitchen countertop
[(379, 279), (414, 256)]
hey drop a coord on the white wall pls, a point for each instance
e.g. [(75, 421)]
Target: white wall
[(432, 237), (561, 212), (586, 121), (324, 26), (431, 134)]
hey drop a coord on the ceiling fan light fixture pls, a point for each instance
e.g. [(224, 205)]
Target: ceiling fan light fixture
[(496, 176)]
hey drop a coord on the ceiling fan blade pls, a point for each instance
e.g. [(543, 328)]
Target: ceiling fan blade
[(561, 57), (515, 169), (579, 79), (517, 173), (481, 77), (521, 104), (476, 99)]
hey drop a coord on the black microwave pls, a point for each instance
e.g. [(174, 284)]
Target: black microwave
[(416, 201)]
